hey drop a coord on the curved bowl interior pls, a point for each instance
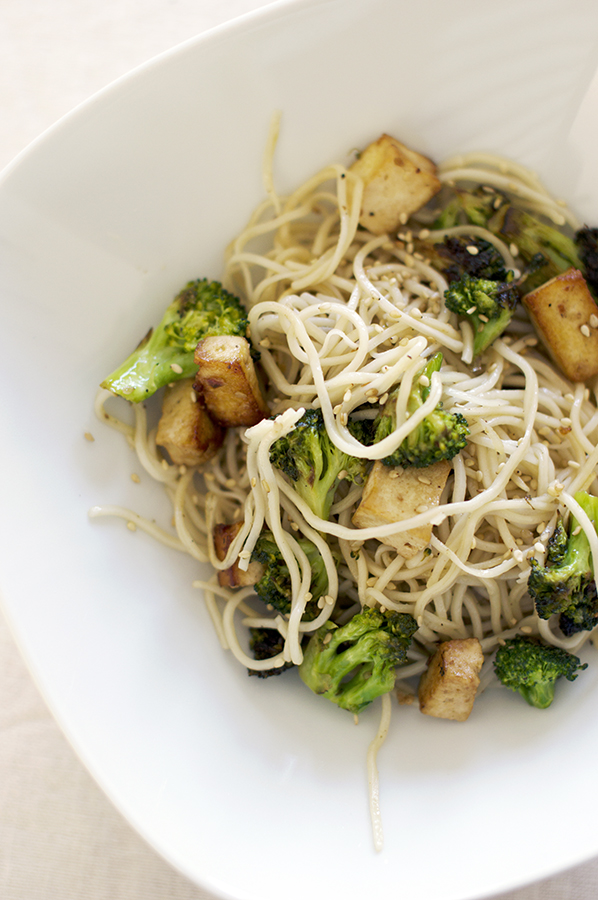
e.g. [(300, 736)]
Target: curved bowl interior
[(251, 787)]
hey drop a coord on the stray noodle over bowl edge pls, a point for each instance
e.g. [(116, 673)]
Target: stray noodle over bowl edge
[(381, 431)]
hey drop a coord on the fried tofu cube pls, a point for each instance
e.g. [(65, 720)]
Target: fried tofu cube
[(561, 310), (397, 182), (228, 382), (234, 577), (448, 687), (392, 494), (185, 429)]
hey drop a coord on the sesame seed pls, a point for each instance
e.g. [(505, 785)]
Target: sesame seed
[(337, 409), (514, 249), (343, 418), (266, 486), (593, 321), (327, 638), (265, 343), (539, 547), (525, 629), (483, 318), (382, 400), (422, 509), (342, 474), (470, 311), (253, 482), (573, 464), (566, 421), (423, 480), (347, 396), (135, 477), (403, 218), (473, 250), (183, 470), (131, 526), (294, 526), (424, 380), (576, 531), (308, 596), (176, 368), (424, 233), (230, 483), (497, 203), (89, 436), (164, 464), (244, 554), (585, 331), (193, 396)]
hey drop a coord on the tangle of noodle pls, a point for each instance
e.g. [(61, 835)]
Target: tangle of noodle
[(340, 317)]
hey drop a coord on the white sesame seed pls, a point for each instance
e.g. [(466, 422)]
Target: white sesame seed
[(573, 464), (514, 249), (593, 321), (131, 526), (423, 480), (327, 638), (135, 477), (473, 250), (424, 233), (244, 554), (577, 531), (539, 547), (176, 368), (347, 395), (525, 629), (403, 218), (422, 509), (266, 486), (253, 482), (89, 436), (585, 330), (382, 400), (424, 380), (230, 483), (342, 474), (471, 310)]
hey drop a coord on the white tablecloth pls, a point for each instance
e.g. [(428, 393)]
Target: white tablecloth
[(60, 838)]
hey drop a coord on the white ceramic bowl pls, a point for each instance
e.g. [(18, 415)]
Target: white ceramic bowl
[(255, 789)]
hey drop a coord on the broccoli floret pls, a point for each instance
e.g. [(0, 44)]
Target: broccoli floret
[(532, 668), (566, 586), (265, 643), (487, 305), (586, 241), (475, 207), (202, 309), (313, 463), (274, 587), (533, 237), (485, 262), (353, 664), (441, 435)]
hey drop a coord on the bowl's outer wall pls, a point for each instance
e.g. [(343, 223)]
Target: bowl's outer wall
[(252, 788)]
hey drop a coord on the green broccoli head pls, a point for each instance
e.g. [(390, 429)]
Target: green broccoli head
[(202, 309), (440, 435), (353, 664), (532, 668), (487, 305), (313, 463), (565, 585), (533, 238), (274, 587), (475, 207)]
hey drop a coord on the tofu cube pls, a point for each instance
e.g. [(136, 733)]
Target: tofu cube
[(392, 494), (234, 577), (228, 382), (448, 687), (397, 182), (185, 429), (560, 310)]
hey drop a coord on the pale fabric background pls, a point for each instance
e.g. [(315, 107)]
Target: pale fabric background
[(60, 838)]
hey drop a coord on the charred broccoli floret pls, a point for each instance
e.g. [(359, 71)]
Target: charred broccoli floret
[(457, 259), (532, 668), (265, 643), (565, 585), (313, 463), (532, 238), (586, 240), (352, 664), (440, 435), (274, 587), (487, 305), (202, 309)]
